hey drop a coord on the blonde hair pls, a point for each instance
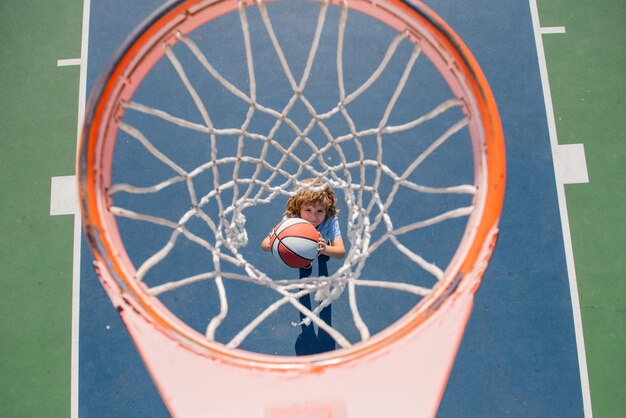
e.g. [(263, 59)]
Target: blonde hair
[(326, 197)]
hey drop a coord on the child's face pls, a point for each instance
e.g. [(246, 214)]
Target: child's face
[(315, 213)]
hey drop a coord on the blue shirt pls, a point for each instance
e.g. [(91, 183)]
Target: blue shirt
[(329, 229)]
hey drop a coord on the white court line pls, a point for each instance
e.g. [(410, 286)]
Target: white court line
[(75, 315), (82, 98), (69, 62), (64, 201), (567, 239), (552, 29)]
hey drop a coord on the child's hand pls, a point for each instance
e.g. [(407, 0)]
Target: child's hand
[(322, 246), (265, 244)]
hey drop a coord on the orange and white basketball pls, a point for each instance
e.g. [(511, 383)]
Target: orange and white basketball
[(294, 241)]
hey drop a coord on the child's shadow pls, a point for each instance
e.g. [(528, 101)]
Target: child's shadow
[(308, 342)]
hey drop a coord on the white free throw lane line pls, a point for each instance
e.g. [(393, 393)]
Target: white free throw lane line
[(552, 29), (64, 201), (82, 99), (567, 238), (69, 62)]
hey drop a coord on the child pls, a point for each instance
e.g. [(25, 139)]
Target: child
[(318, 208)]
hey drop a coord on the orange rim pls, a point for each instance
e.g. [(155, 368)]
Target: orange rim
[(135, 60)]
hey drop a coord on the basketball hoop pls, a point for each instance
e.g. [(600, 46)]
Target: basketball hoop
[(191, 367)]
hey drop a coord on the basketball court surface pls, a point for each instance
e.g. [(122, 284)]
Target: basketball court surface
[(545, 337)]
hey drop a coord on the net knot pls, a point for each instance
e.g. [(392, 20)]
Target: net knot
[(236, 233), (326, 295), (336, 291)]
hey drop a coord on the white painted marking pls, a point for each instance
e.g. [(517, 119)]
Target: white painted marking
[(82, 99), (567, 238), (570, 164), (69, 62), (63, 196), (75, 316), (552, 29)]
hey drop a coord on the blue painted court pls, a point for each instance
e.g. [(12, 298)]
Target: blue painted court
[(518, 356)]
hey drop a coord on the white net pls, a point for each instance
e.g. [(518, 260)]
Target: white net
[(372, 162)]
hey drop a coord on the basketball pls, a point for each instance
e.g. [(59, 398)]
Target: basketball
[(294, 242)]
